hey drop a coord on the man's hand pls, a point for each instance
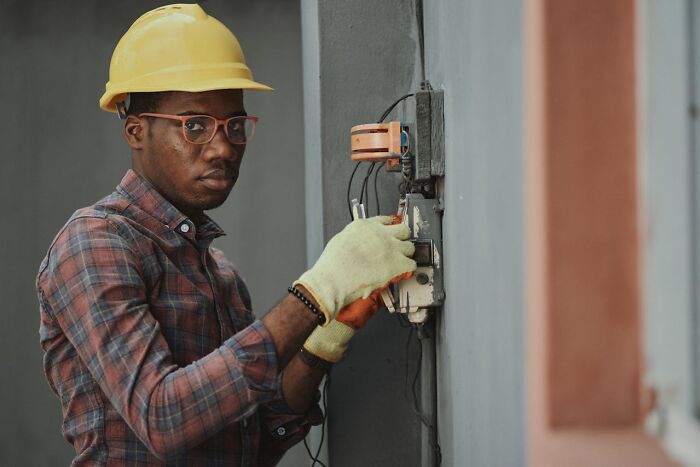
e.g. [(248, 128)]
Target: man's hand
[(364, 256), (331, 342), (360, 311)]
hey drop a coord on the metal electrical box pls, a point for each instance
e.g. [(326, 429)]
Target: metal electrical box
[(424, 290), (429, 153), (417, 151)]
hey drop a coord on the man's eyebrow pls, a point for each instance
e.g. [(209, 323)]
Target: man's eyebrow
[(237, 113)]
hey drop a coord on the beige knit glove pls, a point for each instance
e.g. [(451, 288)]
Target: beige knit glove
[(330, 342), (362, 257)]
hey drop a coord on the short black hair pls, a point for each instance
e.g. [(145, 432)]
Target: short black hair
[(140, 102)]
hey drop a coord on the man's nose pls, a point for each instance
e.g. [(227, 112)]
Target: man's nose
[(220, 147)]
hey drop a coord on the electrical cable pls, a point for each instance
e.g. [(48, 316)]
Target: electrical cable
[(385, 114), (433, 440), (324, 402), (376, 191), (366, 182), (421, 40), (416, 403), (357, 165), (391, 107), (311, 456), (325, 417), (363, 188), (409, 338)]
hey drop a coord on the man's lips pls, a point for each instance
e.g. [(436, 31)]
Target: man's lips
[(218, 179)]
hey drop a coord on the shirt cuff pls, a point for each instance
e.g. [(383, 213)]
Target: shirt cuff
[(283, 424)]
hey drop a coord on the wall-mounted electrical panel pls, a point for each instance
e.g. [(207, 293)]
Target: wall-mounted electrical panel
[(416, 150), (416, 295)]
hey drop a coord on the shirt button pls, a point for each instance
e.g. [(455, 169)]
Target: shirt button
[(184, 228), (281, 431)]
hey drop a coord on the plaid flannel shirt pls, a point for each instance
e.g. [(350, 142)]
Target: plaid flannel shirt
[(151, 345)]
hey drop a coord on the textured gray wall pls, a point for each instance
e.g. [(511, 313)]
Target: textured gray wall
[(474, 52), (366, 58), (61, 152), (668, 192)]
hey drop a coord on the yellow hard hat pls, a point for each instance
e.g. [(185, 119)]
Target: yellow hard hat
[(176, 48)]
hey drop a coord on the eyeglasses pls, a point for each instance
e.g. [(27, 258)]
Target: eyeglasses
[(200, 129)]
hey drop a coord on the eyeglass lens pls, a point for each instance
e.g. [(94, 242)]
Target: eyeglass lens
[(201, 128)]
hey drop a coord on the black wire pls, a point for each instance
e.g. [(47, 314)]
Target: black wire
[(402, 321), (350, 186), (416, 403), (421, 40), (371, 169), (363, 187), (381, 120), (407, 360), (325, 417), (433, 441), (376, 192), (311, 456), (391, 107), (324, 399)]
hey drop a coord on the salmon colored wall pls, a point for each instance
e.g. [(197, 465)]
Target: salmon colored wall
[(583, 263), (591, 202)]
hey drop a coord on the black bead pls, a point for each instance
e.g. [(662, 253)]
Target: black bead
[(319, 316)]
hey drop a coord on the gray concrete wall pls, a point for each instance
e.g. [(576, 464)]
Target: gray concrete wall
[(668, 183), (474, 52), (361, 61), (367, 57), (60, 152)]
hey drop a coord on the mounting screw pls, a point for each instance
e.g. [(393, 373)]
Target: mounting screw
[(422, 278)]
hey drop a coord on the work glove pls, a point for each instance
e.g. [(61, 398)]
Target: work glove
[(330, 342), (361, 258)]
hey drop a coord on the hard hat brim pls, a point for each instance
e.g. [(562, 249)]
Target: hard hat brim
[(114, 94)]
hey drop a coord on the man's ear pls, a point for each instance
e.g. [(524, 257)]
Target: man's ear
[(134, 132)]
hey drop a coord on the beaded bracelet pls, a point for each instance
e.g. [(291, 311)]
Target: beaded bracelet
[(320, 317)]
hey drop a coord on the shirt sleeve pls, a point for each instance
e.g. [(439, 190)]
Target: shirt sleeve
[(92, 286), (283, 428)]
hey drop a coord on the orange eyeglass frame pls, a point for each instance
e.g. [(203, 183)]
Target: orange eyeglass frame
[(219, 122)]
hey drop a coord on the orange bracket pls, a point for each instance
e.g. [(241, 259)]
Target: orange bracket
[(378, 142)]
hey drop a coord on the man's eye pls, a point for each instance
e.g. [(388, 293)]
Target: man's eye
[(237, 127), (194, 124)]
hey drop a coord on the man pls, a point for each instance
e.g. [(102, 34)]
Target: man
[(150, 342)]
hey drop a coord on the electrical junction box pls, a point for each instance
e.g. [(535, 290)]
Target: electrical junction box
[(429, 152), (416, 295), (416, 150)]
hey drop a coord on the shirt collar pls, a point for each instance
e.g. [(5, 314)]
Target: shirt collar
[(146, 197)]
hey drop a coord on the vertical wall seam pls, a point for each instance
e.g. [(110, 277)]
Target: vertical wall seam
[(313, 167), (694, 200)]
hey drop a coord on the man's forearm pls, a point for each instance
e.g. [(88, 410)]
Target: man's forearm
[(289, 323), (299, 384)]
